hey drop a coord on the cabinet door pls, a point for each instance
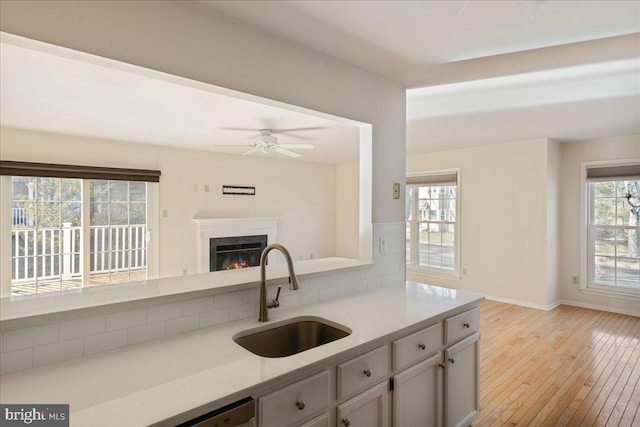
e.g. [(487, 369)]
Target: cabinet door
[(368, 409), (462, 382), (417, 395), (321, 421)]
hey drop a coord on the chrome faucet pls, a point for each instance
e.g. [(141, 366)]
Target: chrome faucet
[(293, 281)]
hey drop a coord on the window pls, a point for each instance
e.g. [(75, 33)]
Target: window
[(432, 226), (66, 232), (613, 228)]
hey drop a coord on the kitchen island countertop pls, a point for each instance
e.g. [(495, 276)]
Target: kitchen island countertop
[(154, 381)]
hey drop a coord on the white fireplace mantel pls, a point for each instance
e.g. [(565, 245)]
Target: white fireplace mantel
[(210, 228)]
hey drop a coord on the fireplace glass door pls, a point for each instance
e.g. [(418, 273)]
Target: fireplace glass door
[(229, 253)]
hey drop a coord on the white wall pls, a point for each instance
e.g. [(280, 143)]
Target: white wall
[(302, 194), (347, 207), (573, 154), (503, 235), (553, 171), (182, 39)]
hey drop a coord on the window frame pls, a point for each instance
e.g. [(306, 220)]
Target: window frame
[(413, 265), (587, 267), (152, 252)]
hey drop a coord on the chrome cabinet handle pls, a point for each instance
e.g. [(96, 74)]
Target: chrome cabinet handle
[(300, 404), (421, 346), (367, 372), (346, 422), (466, 325), (452, 360)]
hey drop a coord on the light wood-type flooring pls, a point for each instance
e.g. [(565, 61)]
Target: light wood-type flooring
[(568, 366)]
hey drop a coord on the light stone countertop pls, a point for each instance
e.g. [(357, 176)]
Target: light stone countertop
[(150, 382), (30, 310)]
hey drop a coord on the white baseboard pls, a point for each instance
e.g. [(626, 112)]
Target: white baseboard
[(600, 307), (523, 303), (564, 302)]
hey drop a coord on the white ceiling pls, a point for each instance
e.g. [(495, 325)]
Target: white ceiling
[(59, 92), (474, 78), (474, 53)]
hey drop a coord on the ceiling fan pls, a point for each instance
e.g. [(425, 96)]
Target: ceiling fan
[(267, 143)]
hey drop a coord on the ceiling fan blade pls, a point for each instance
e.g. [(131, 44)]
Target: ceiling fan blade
[(298, 146), (289, 153), (231, 146), (253, 150), (300, 129), (240, 129)]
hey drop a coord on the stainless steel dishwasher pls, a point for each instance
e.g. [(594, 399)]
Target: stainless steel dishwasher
[(237, 414)]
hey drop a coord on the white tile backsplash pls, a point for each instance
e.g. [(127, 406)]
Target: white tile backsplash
[(13, 361), (29, 337), (228, 300), (35, 346), (82, 327), (182, 324), (148, 332), (198, 305), (161, 312), (126, 319), (242, 311), (214, 318), (104, 342), (57, 351)]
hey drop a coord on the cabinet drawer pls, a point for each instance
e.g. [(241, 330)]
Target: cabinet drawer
[(295, 403), (417, 346), (362, 372), (462, 325)]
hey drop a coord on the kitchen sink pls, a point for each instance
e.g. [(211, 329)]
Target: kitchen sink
[(291, 336)]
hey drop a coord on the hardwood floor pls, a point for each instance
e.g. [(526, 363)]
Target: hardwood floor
[(567, 367)]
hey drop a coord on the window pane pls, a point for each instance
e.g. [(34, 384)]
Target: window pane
[(138, 214), (118, 191), (49, 189), (48, 214), (23, 214), (119, 214), (99, 214), (71, 190), (408, 237), (604, 239), (46, 233), (99, 191), (604, 272), (604, 211), (23, 188), (138, 191), (604, 189), (71, 213), (628, 273)]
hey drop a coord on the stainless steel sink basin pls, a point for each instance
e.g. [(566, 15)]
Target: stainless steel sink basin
[(291, 336)]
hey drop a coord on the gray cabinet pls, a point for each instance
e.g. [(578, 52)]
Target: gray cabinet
[(368, 409), (462, 382), (417, 395)]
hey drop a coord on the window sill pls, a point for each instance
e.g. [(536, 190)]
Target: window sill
[(33, 310), (434, 272), (610, 293)]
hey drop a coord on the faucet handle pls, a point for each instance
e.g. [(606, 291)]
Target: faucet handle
[(274, 303)]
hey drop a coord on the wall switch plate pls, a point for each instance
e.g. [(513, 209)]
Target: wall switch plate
[(396, 190), (165, 213)]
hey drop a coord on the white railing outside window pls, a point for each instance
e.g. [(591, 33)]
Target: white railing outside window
[(57, 253)]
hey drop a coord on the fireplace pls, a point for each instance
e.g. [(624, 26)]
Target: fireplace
[(230, 253), (225, 228)]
